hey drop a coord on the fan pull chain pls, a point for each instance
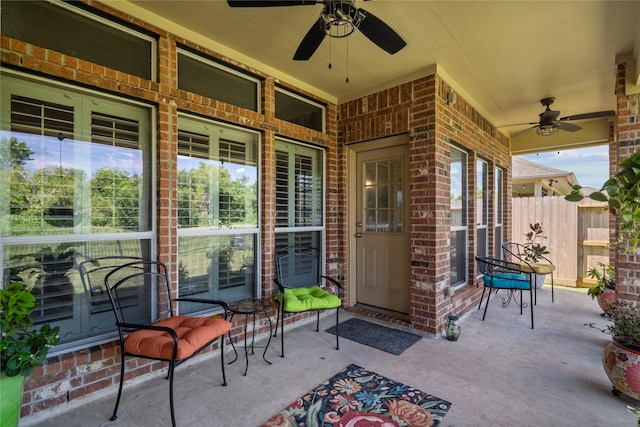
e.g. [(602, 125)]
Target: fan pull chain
[(329, 53), (347, 80)]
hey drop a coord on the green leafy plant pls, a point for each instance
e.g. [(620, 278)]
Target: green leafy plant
[(625, 323), (535, 249), (622, 194), (22, 348), (604, 279)]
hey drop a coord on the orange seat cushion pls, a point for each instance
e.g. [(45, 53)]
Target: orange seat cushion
[(192, 332)]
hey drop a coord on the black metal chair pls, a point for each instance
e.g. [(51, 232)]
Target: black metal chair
[(149, 329), (531, 261), (503, 275), (300, 287)]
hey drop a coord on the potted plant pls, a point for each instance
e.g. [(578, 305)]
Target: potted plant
[(535, 250), (621, 357), (22, 348), (604, 291)]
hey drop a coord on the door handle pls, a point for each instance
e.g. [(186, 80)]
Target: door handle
[(358, 234)]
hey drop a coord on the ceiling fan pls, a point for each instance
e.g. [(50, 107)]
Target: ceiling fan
[(550, 124), (338, 18)]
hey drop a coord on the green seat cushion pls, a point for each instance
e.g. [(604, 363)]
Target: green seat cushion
[(304, 299)]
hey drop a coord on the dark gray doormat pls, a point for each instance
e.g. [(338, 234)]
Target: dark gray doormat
[(391, 340)]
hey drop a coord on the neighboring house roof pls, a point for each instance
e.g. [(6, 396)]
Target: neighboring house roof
[(527, 175)]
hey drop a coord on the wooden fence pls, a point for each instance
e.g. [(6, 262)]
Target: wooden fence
[(577, 234)]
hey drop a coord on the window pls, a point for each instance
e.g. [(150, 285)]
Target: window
[(211, 79), (459, 213), (498, 207), (299, 195), (75, 180), (217, 212), (482, 208), (76, 32), (299, 110)]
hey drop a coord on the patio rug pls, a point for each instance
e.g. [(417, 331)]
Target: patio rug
[(358, 397), (383, 338)]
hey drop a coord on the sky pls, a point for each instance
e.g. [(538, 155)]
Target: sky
[(589, 165)]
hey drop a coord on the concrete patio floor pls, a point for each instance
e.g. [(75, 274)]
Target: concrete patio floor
[(499, 373)]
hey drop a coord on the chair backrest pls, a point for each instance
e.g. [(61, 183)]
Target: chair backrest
[(298, 266), (493, 266), (146, 282), (517, 252), (93, 272)]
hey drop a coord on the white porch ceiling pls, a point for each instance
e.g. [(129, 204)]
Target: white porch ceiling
[(502, 56)]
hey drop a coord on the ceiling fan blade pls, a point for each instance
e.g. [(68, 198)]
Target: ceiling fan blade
[(380, 33), (523, 131), (517, 124), (594, 115), (269, 3), (568, 126), (310, 42)]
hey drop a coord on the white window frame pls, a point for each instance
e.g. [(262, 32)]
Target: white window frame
[(46, 90)]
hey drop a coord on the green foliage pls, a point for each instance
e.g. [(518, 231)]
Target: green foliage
[(604, 279), (14, 153), (622, 194), (535, 249), (625, 323), (21, 347)]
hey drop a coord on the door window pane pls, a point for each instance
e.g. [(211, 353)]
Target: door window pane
[(383, 196)]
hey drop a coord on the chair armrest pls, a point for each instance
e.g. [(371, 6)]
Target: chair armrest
[(221, 303), (280, 285), (334, 282)]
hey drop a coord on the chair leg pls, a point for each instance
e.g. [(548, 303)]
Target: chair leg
[(530, 298), (486, 305), (521, 302), (337, 331), (173, 415), (281, 330), (552, 297), (275, 333), (482, 297), (317, 320), (115, 410), (224, 375)]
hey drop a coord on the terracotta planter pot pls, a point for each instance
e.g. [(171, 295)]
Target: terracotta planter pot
[(606, 298), (622, 366)]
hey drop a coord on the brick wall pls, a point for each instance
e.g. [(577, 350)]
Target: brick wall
[(627, 265), (419, 109), (68, 376)]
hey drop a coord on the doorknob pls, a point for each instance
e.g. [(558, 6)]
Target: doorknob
[(358, 234)]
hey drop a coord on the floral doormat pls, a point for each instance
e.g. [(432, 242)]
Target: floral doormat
[(356, 397)]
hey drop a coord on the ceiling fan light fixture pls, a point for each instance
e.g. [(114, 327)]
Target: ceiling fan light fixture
[(547, 130), (340, 18)]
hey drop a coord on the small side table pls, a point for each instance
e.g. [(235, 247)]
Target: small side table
[(250, 308)]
